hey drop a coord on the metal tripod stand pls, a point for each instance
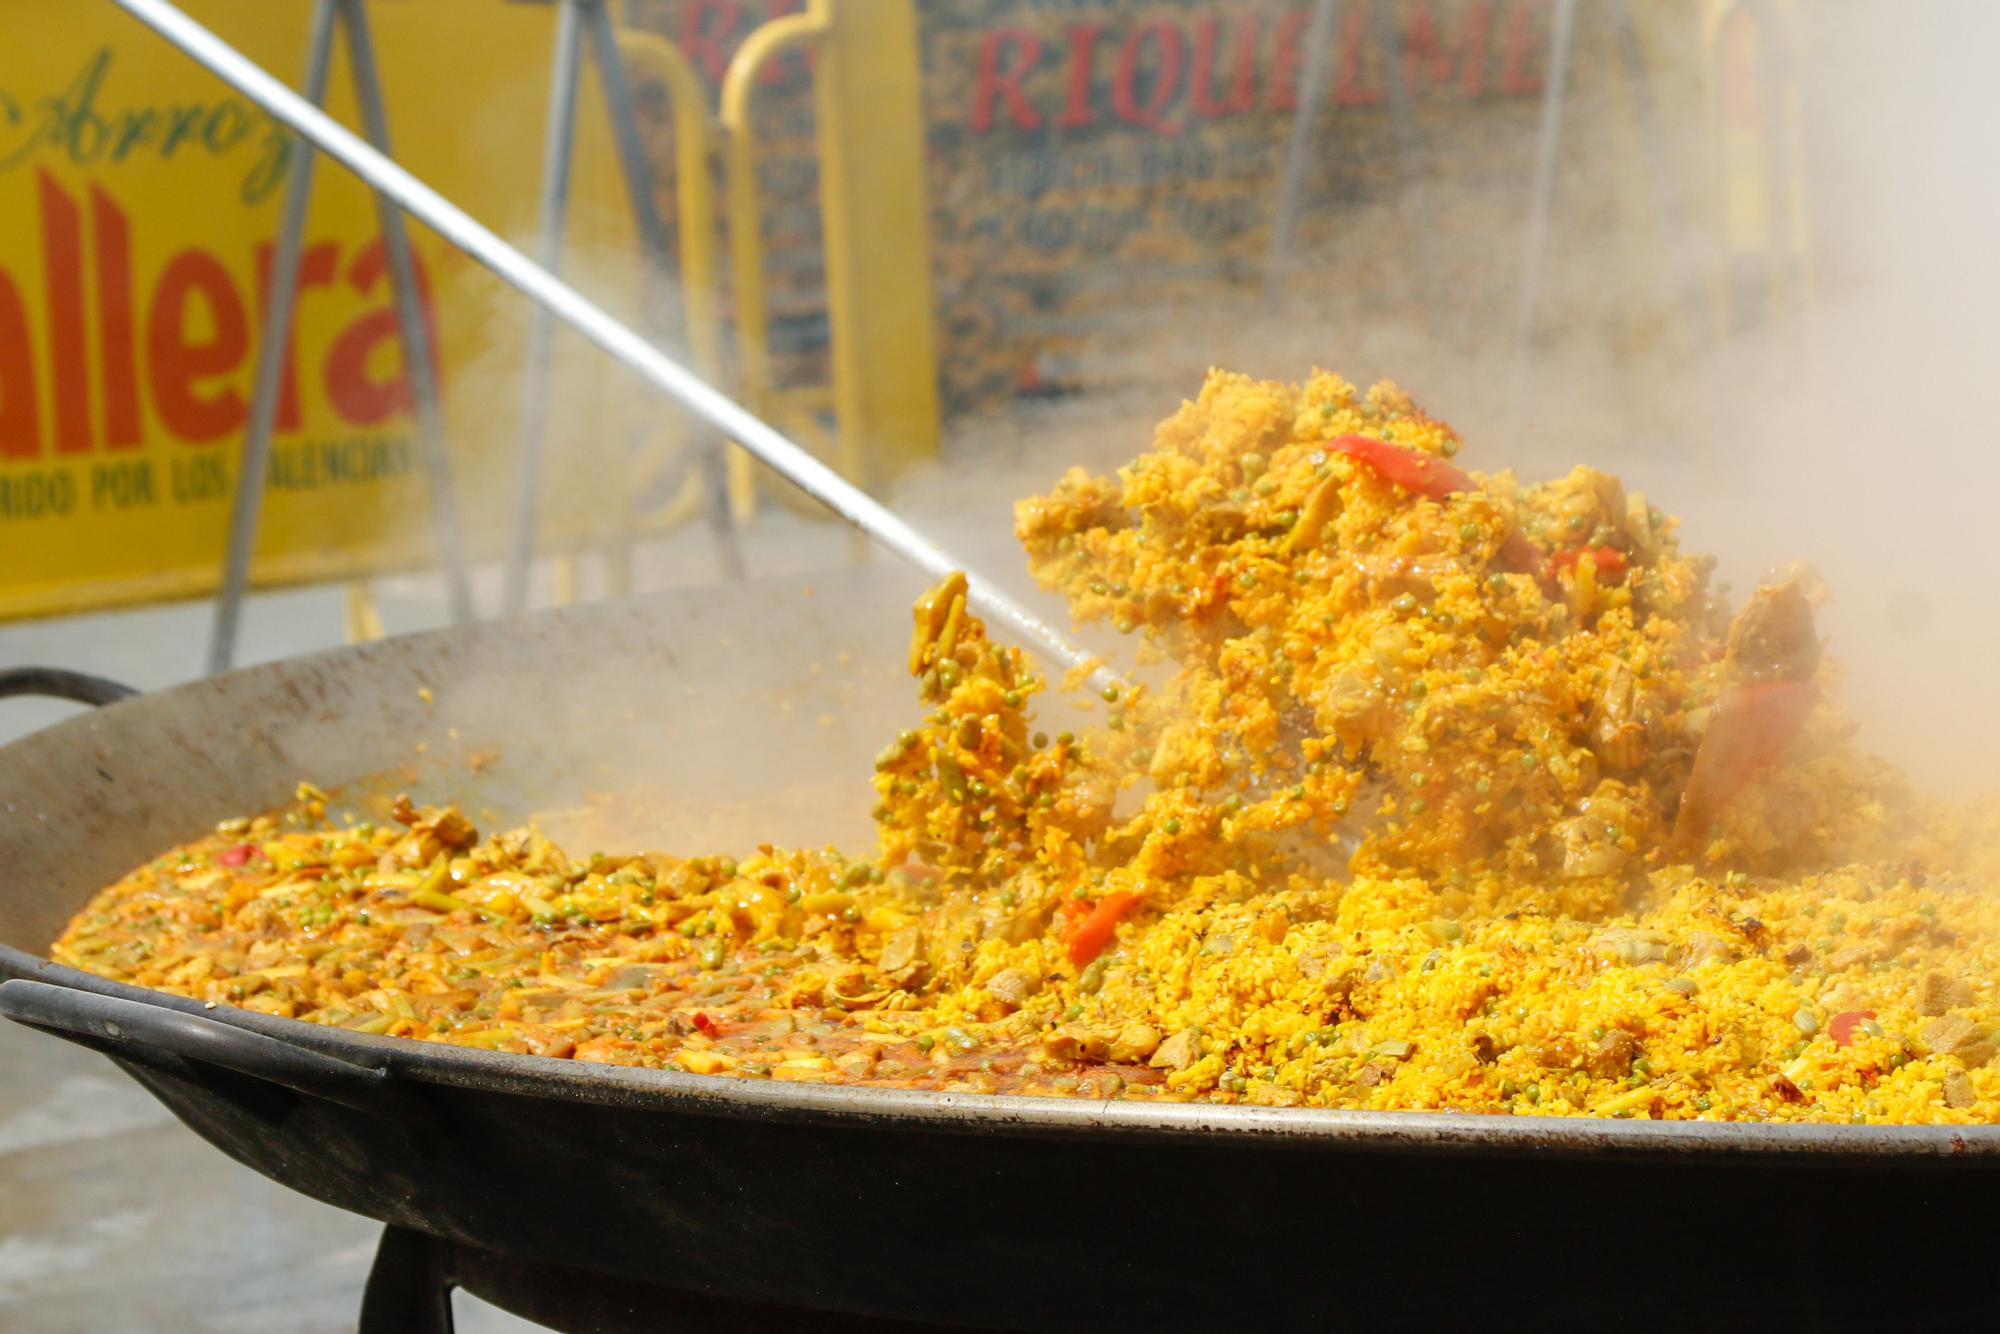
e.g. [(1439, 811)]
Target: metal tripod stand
[(417, 352), (580, 23)]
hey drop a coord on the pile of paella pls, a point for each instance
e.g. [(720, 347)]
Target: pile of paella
[(1425, 789)]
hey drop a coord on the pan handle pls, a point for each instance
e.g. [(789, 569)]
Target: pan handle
[(108, 1023), (59, 684)]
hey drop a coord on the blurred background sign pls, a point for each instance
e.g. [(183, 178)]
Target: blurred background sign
[(1103, 178), (138, 205)]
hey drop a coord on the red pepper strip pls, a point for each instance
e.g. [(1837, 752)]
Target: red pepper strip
[(236, 855), (1428, 475), (1607, 558), (1412, 469), (1750, 729), (705, 1024), (1095, 931), (1841, 1027)]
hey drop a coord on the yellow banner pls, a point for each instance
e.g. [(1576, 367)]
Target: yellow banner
[(139, 204)]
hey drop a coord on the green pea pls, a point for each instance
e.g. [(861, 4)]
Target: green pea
[(1171, 825), (1469, 532), (925, 1042)]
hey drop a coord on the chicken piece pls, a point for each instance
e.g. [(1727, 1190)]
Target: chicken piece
[(1951, 1035), (900, 949), (1624, 720), (1773, 638), (433, 830), (1178, 1052), (1135, 1042), (1012, 987), (1613, 1055), (1629, 945), (1938, 993), (1958, 1091), (1588, 850)]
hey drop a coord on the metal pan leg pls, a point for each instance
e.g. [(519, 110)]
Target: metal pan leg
[(249, 500), (409, 1287)]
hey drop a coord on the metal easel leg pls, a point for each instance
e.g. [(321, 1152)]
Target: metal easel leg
[(638, 174), (557, 154), (1541, 201), (419, 364), (249, 500)]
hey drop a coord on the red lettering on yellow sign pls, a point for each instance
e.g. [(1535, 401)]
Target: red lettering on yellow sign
[(195, 345), (1164, 64), (62, 262), (20, 421), (179, 359), (114, 321)]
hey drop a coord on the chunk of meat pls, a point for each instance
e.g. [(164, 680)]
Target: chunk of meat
[(1011, 987), (1951, 1035), (1701, 946), (1135, 1042), (900, 949), (1624, 717), (1178, 1052), (1958, 1091), (1629, 945), (1588, 848), (1773, 637), (1938, 993), (1613, 1055)]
